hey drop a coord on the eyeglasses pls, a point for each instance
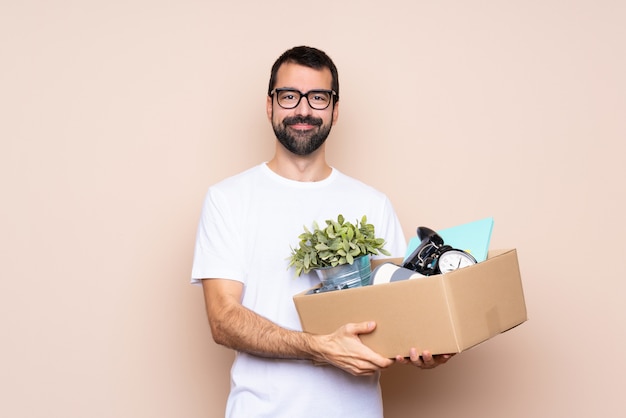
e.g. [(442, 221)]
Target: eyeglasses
[(290, 98)]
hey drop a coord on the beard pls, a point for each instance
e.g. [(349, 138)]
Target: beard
[(301, 142)]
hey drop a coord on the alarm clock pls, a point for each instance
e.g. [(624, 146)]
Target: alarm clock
[(453, 259), (432, 256)]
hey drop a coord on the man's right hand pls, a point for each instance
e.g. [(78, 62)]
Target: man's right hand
[(344, 349)]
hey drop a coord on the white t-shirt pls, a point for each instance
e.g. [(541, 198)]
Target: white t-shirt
[(248, 225)]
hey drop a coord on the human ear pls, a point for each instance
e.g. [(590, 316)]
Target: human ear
[(269, 107), (335, 112)]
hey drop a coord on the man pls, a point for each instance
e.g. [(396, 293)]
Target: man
[(247, 225)]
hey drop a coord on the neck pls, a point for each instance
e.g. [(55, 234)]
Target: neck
[(300, 168)]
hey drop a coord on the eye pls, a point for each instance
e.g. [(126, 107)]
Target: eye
[(288, 95), (319, 97)]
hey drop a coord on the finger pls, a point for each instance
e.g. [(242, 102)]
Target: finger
[(365, 367), (401, 359), (361, 327), (428, 360), (442, 358), (414, 356)]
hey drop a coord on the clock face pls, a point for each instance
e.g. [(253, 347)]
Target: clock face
[(454, 259)]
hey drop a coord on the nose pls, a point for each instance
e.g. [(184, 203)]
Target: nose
[(303, 108)]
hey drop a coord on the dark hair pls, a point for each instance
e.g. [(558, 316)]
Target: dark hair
[(308, 57)]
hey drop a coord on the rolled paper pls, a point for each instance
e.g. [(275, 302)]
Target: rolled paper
[(389, 272)]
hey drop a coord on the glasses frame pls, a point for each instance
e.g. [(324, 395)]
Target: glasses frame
[(333, 94)]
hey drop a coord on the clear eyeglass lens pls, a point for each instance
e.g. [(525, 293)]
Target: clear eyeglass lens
[(291, 98)]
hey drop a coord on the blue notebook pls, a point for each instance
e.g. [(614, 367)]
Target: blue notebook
[(472, 237)]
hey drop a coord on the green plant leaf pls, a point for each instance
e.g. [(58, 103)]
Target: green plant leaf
[(339, 242)]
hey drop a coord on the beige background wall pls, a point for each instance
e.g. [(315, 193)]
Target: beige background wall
[(115, 116)]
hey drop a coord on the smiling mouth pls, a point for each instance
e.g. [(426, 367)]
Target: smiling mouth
[(301, 126), (302, 123)]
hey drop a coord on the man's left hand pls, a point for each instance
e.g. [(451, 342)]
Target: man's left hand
[(424, 361)]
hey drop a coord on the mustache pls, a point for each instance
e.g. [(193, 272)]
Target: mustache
[(309, 120)]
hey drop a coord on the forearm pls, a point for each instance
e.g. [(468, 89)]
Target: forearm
[(241, 329)]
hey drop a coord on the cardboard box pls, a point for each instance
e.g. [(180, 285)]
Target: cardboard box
[(445, 313)]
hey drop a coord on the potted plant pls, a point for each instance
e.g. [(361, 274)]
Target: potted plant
[(339, 252)]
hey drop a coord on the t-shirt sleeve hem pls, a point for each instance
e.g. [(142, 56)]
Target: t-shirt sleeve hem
[(197, 277)]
